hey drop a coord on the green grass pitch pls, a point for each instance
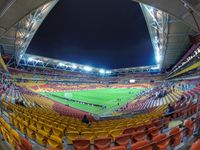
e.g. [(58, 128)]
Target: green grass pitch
[(111, 98)]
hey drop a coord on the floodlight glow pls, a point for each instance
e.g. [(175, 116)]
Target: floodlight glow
[(30, 59), (102, 71), (158, 58), (87, 68), (108, 72), (132, 80), (61, 64), (74, 66)]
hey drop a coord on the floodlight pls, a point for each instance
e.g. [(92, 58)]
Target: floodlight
[(158, 58), (87, 68), (30, 59), (108, 72), (74, 66), (132, 80), (102, 71), (61, 64)]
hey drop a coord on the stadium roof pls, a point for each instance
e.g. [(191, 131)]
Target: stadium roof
[(169, 33)]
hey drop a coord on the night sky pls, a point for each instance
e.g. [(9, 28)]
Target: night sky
[(100, 33)]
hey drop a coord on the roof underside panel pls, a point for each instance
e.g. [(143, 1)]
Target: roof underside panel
[(12, 11), (178, 8)]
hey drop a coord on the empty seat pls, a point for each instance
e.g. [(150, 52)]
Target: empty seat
[(161, 141), (102, 143), (153, 131), (143, 143), (190, 127), (101, 134), (88, 135), (41, 137), (115, 133), (117, 148), (57, 132), (138, 136), (73, 135), (54, 142), (122, 140), (195, 145), (128, 130), (176, 135), (30, 132), (81, 144)]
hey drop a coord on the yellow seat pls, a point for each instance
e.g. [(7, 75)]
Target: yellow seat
[(47, 128), (114, 133), (22, 127), (101, 134), (57, 132), (88, 135), (4, 133), (16, 136), (30, 133), (2, 121), (54, 142), (16, 124), (7, 127), (70, 128), (39, 125), (25, 123), (72, 135), (32, 122), (11, 141), (11, 119), (41, 137)]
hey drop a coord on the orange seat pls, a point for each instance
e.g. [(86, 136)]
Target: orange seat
[(102, 143), (176, 136), (195, 145), (153, 131), (138, 136), (25, 144), (81, 144), (122, 140), (138, 145), (117, 148), (140, 128), (190, 127), (162, 141), (128, 130)]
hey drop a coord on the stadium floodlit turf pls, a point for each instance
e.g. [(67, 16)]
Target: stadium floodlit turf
[(98, 101)]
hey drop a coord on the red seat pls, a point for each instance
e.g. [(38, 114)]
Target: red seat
[(140, 144), (117, 148), (161, 141), (81, 144), (138, 136), (152, 132), (140, 128), (102, 143), (190, 127), (176, 135), (128, 130), (195, 145), (122, 140), (25, 144)]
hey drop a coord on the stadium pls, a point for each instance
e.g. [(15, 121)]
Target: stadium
[(51, 103)]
